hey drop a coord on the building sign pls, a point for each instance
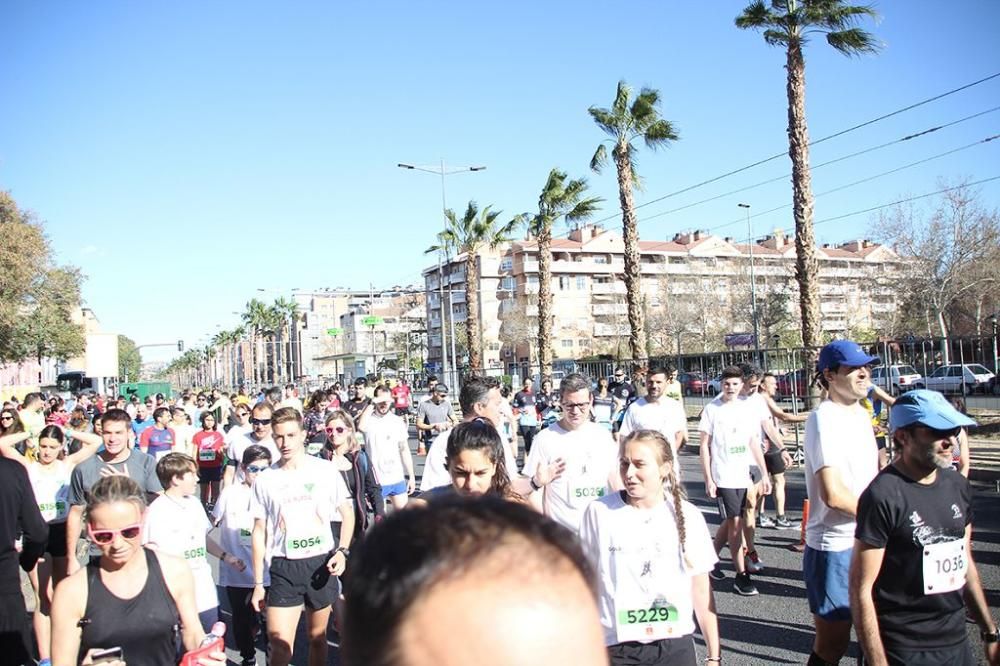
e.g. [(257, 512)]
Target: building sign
[(739, 340)]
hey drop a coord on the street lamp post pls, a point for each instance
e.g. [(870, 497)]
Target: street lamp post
[(753, 286), (443, 171), (996, 362)]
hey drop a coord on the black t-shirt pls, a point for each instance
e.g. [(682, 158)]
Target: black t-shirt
[(355, 407), (624, 391), (545, 402), (905, 517)]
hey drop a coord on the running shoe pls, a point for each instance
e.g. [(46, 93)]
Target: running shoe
[(764, 521), (743, 586), (717, 573), (783, 523), (754, 565)]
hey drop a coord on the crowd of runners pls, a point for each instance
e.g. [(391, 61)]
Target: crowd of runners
[(550, 525)]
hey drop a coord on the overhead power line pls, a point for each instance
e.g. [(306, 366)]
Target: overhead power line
[(811, 143)]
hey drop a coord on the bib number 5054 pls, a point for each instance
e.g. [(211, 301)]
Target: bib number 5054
[(300, 544)]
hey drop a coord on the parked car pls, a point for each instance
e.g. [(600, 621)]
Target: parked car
[(994, 386), (692, 383), (791, 383), (896, 379), (714, 386), (950, 378)]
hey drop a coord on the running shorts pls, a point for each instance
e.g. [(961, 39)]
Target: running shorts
[(774, 462), (825, 573), (731, 502), (298, 582)]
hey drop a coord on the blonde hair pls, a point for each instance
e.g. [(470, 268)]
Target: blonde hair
[(671, 486), (115, 488)]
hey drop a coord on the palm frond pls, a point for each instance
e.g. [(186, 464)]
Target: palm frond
[(584, 209), (853, 41), (600, 158), (606, 120), (754, 16), (659, 134), (622, 95), (777, 37)]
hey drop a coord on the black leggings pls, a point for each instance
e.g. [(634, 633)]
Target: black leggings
[(239, 604), (528, 433)]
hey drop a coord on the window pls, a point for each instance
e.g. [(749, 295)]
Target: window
[(581, 282), (532, 279), (563, 283), (507, 264), (567, 343), (507, 284), (600, 258)]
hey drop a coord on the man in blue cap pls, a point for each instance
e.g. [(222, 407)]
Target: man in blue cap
[(841, 460), (912, 574)]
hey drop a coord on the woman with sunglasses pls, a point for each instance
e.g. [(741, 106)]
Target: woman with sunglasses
[(355, 466), (49, 476), (10, 424), (128, 597), (209, 444), (475, 462), (232, 516)]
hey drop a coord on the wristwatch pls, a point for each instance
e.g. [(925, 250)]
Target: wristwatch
[(345, 551), (990, 636)]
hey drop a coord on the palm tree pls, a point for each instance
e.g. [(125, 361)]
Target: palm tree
[(559, 199), (288, 311), (475, 231), (626, 121), (256, 320), (787, 23)]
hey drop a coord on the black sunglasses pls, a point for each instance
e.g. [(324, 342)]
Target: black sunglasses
[(260, 421)]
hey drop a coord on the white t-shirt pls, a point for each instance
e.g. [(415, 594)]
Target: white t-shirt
[(236, 432), (839, 437), (294, 403), (639, 562), (182, 437), (298, 506), (758, 404), (383, 435), (435, 469), (51, 486), (177, 526), (232, 513), (734, 427), (666, 416), (591, 457), (238, 445)]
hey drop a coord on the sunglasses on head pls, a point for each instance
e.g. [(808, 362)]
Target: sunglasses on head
[(256, 469), (260, 421), (336, 429), (105, 537)]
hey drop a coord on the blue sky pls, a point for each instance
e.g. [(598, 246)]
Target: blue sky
[(185, 154)]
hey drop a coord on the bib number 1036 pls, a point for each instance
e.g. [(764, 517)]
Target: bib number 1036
[(945, 566)]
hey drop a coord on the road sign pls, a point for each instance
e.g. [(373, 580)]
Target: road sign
[(371, 320), (334, 331)]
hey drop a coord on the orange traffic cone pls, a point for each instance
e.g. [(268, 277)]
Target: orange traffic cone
[(801, 545)]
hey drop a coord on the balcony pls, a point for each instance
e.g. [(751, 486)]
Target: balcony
[(608, 288), (605, 330), (608, 309)]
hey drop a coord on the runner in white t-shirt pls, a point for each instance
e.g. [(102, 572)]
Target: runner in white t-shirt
[(587, 449), (656, 411), (841, 460), (235, 522), (480, 398), (387, 441), (176, 524), (652, 554), (293, 505), (260, 424), (730, 443)]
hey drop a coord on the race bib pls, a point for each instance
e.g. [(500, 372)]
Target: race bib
[(945, 566), (245, 536), (206, 455), (53, 510), (586, 490), (198, 553), (737, 450), (644, 618), (314, 448), (303, 543)]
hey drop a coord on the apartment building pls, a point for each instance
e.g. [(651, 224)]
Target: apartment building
[(695, 276)]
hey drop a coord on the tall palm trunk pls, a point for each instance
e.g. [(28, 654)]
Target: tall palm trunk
[(806, 266), (545, 323), (633, 277), (472, 330)]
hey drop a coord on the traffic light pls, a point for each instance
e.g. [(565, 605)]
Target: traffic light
[(180, 345)]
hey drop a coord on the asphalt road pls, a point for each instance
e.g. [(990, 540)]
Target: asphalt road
[(776, 627)]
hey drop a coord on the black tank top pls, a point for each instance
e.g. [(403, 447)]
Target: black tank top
[(144, 627)]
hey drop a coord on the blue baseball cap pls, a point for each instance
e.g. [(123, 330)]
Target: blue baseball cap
[(844, 352), (927, 408)]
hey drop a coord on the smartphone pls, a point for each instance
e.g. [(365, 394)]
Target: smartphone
[(106, 656)]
